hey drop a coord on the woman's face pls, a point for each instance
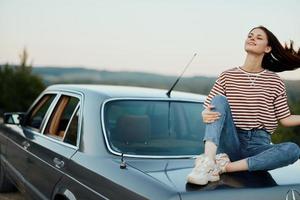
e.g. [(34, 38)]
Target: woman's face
[(257, 42)]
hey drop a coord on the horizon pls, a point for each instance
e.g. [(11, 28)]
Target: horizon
[(144, 72), (158, 36)]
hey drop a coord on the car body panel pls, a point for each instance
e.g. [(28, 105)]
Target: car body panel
[(42, 171), (16, 155), (105, 178), (173, 172)]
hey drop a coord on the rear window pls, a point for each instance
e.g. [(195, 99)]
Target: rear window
[(158, 128)]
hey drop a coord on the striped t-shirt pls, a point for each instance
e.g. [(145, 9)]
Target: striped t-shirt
[(257, 100)]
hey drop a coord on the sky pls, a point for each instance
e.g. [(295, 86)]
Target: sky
[(156, 36)]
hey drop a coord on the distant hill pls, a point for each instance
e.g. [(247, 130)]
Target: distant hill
[(196, 84), (52, 75)]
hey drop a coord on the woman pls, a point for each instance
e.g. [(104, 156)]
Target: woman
[(242, 110)]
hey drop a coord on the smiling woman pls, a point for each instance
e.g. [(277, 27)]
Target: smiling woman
[(243, 109)]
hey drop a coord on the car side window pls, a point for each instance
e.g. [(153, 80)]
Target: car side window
[(61, 116), (72, 130), (38, 112)]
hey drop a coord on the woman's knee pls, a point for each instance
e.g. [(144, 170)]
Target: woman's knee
[(292, 151), (220, 101)]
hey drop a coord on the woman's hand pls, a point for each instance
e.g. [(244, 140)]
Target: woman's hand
[(209, 116)]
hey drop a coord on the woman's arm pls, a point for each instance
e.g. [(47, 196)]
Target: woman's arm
[(292, 120)]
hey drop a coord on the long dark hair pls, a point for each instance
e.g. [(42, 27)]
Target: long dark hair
[(281, 58)]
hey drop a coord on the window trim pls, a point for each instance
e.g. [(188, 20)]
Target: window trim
[(58, 94), (140, 99), (67, 128), (59, 104), (47, 113)]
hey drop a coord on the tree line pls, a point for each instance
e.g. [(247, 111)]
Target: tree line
[(18, 86)]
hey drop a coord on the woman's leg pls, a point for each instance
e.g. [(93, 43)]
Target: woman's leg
[(240, 165), (277, 155), (260, 154), (221, 136)]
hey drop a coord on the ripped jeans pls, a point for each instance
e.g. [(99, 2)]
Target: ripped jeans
[(254, 144)]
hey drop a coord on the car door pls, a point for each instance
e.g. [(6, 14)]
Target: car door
[(52, 148), (18, 140)]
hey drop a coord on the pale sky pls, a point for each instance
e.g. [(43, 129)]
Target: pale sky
[(156, 36)]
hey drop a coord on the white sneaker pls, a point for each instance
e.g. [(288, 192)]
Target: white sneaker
[(222, 161), (205, 170)]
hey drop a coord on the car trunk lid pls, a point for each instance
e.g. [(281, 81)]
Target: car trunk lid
[(273, 184)]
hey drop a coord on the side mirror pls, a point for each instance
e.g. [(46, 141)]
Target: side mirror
[(14, 118)]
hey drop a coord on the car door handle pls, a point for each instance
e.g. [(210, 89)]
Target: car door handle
[(58, 163), (25, 145)]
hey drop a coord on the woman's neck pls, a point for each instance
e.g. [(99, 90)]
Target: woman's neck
[(253, 63)]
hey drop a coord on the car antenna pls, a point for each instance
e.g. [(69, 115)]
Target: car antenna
[(123, 163), (188, 64)]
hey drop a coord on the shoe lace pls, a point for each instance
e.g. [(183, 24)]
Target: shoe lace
[(222, 160)]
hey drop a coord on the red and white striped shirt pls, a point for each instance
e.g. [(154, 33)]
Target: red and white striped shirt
[(257, 100)]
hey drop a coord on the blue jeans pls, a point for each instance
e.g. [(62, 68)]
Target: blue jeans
[(254, 144)]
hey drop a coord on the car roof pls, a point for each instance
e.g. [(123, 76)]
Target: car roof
[(116, 91)]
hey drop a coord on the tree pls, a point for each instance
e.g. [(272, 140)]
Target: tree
[(18, 86)]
